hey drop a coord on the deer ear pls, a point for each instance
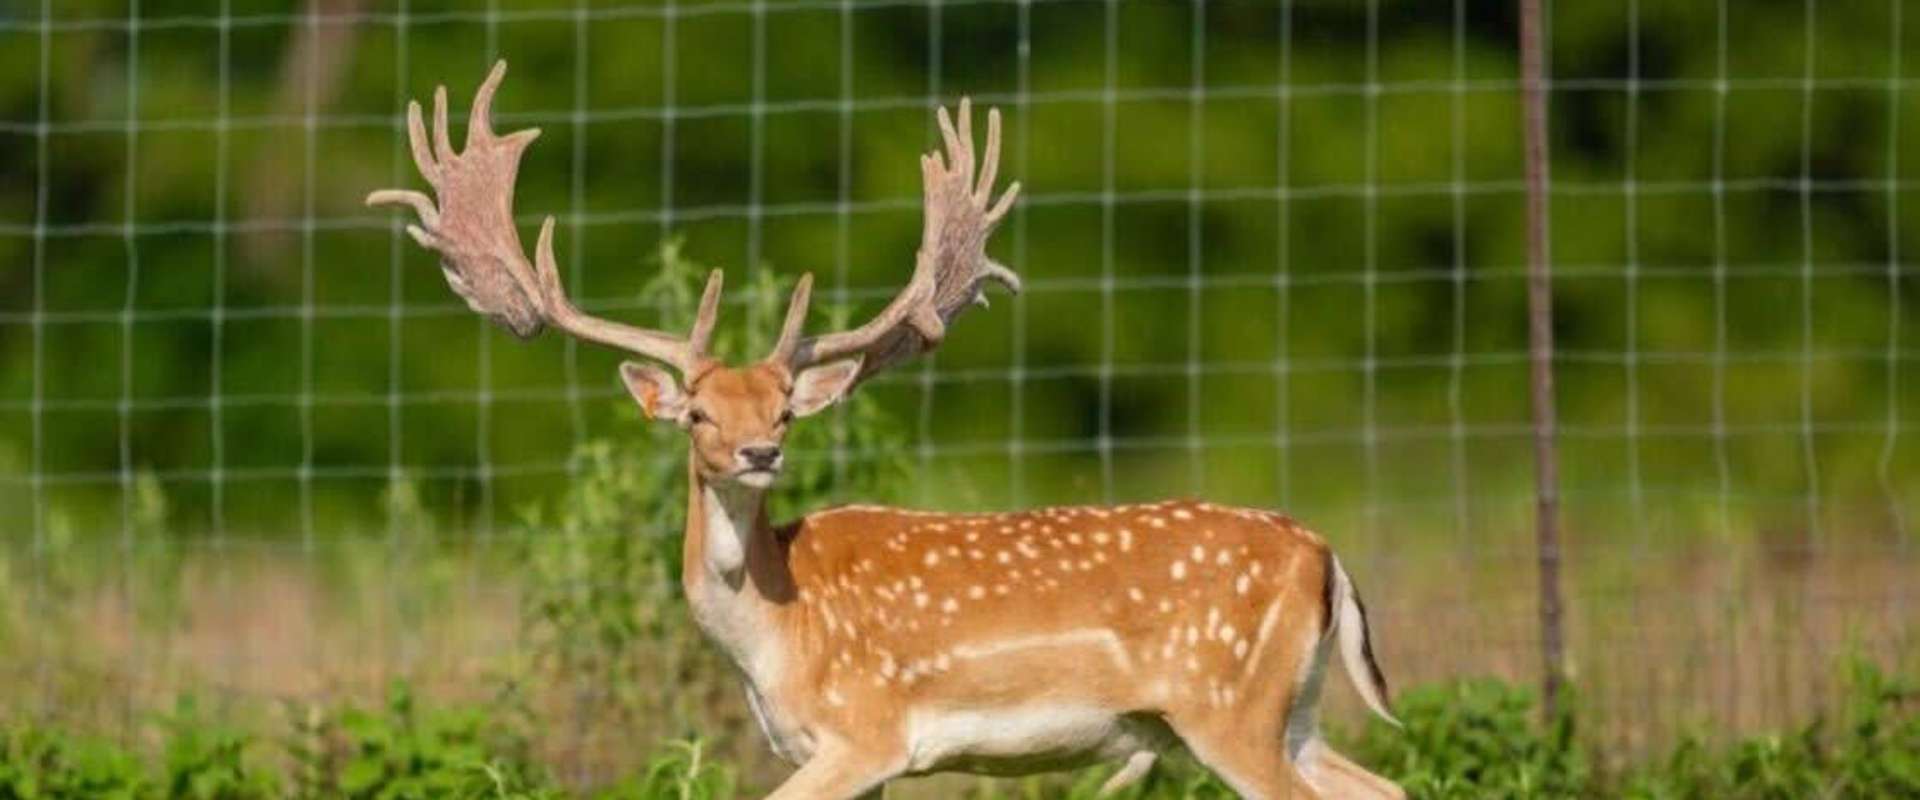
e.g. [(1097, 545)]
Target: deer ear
[(655, 390), (818, 387)]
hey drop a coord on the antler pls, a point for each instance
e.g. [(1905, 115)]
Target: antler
[(949, 272), (480, 252)]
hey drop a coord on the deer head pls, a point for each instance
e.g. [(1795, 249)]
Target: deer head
[(735, 416)]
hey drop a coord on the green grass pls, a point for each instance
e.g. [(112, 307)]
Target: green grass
[(1470, 739)]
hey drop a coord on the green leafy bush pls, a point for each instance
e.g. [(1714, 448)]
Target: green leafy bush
[(1478, 739), (41, 763), (405, 752), (205, 760), (1875, 752), (199, 760)]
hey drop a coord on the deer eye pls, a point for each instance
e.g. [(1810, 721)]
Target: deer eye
[(786, 417), (696, 417)]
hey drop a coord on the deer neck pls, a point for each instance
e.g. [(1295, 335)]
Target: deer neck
[(725, 521), (732, 568)]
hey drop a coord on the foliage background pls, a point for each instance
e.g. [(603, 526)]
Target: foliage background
[(1328, 233), (249, 443)]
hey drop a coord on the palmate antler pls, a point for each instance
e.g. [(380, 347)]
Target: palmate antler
[(480, 252), (950, 271), (484, 262)]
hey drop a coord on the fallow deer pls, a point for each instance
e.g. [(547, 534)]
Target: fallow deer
[(878, 642)]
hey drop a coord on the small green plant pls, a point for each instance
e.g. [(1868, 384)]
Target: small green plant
[(1874, 752), (405, 752), (39, 762), (682, 770), (1476, 739), (206, 760)]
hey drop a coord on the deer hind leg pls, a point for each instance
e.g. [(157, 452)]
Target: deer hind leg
[(1245, 745), (1339, 778), (1247, 736), (1252, 762)]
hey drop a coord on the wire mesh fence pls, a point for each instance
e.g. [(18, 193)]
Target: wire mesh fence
[(1274, 255)]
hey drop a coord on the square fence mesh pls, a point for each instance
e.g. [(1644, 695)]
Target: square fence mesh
[(251, 446)]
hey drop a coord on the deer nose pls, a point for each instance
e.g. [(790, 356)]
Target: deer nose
[(766, 456)]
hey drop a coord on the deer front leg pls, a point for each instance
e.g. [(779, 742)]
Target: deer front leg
[(839, 773), (1137, 767)]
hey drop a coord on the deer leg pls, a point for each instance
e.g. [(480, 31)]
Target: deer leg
[(1257, 773), (838, 774), (1255, 765), (1336, 776), (1137, 767)]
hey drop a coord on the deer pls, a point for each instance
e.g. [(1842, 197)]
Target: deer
[(877, 642)]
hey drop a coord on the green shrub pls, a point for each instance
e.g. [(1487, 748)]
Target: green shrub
[(204, 760), (405, 752), (200, 760), (1874, 752), (40, 763), (1476, 739)]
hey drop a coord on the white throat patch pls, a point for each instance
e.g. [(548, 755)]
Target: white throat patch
[(730, 519)]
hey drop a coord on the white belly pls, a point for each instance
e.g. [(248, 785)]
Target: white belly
[(1021, 741)]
